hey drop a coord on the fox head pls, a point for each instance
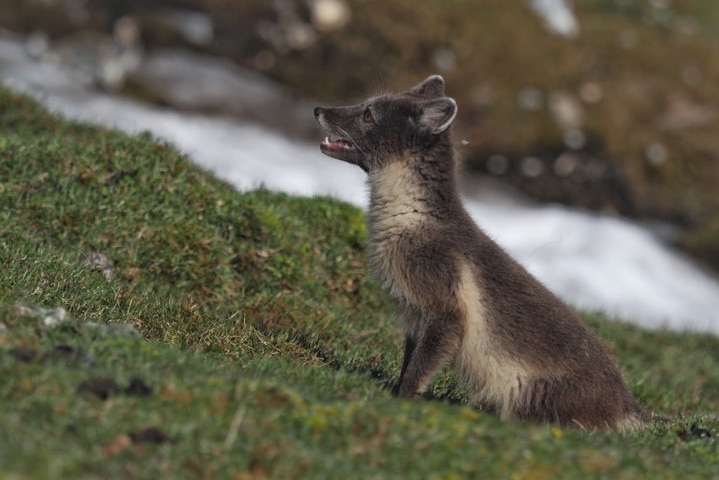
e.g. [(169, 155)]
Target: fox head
[(377, 130)]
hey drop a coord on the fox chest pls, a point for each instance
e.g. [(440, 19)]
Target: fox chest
[(388, 264), (391, 255), (398, 220)]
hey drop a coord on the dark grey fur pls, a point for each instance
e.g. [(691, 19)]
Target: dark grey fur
[(519, 348)]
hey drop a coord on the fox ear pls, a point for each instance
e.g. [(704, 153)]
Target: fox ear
[(432, 86), (437, 114)]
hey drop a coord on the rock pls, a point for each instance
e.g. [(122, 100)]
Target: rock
[(54, 316), (50, 317), (99, 261)]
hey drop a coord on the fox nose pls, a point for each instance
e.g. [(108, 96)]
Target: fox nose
[(318, 110)]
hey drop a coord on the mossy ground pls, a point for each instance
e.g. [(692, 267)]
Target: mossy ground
[(267, 349)]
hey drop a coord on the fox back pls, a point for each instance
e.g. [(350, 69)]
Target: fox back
[(519, 349)]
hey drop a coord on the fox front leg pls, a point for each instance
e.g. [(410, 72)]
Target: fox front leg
[(409, 345), (435, 346)]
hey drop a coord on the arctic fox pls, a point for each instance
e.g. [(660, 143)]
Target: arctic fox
[(516, 346)]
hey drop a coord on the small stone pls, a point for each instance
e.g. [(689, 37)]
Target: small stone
[(54, 317), (51, 317), (99, 261)]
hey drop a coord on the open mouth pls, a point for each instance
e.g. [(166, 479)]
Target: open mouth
[(339, 145)]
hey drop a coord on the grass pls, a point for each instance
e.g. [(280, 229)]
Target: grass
[(266, 348)]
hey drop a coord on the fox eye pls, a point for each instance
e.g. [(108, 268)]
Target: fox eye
[(367, 117)]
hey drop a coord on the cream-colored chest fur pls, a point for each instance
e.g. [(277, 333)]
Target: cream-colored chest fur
[(397, 199), (398, 215)]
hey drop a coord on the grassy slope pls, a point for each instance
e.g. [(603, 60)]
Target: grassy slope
[(267, 348)]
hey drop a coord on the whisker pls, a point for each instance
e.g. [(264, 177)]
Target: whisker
[(346, 135)]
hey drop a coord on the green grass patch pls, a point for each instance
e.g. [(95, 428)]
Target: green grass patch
[(266, 348)]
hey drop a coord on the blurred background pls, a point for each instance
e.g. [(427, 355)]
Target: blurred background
[(609, 106)]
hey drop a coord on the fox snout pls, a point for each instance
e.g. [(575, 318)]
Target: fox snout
[(321, 116)]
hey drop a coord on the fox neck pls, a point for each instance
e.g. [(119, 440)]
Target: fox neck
[(414, 185)]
